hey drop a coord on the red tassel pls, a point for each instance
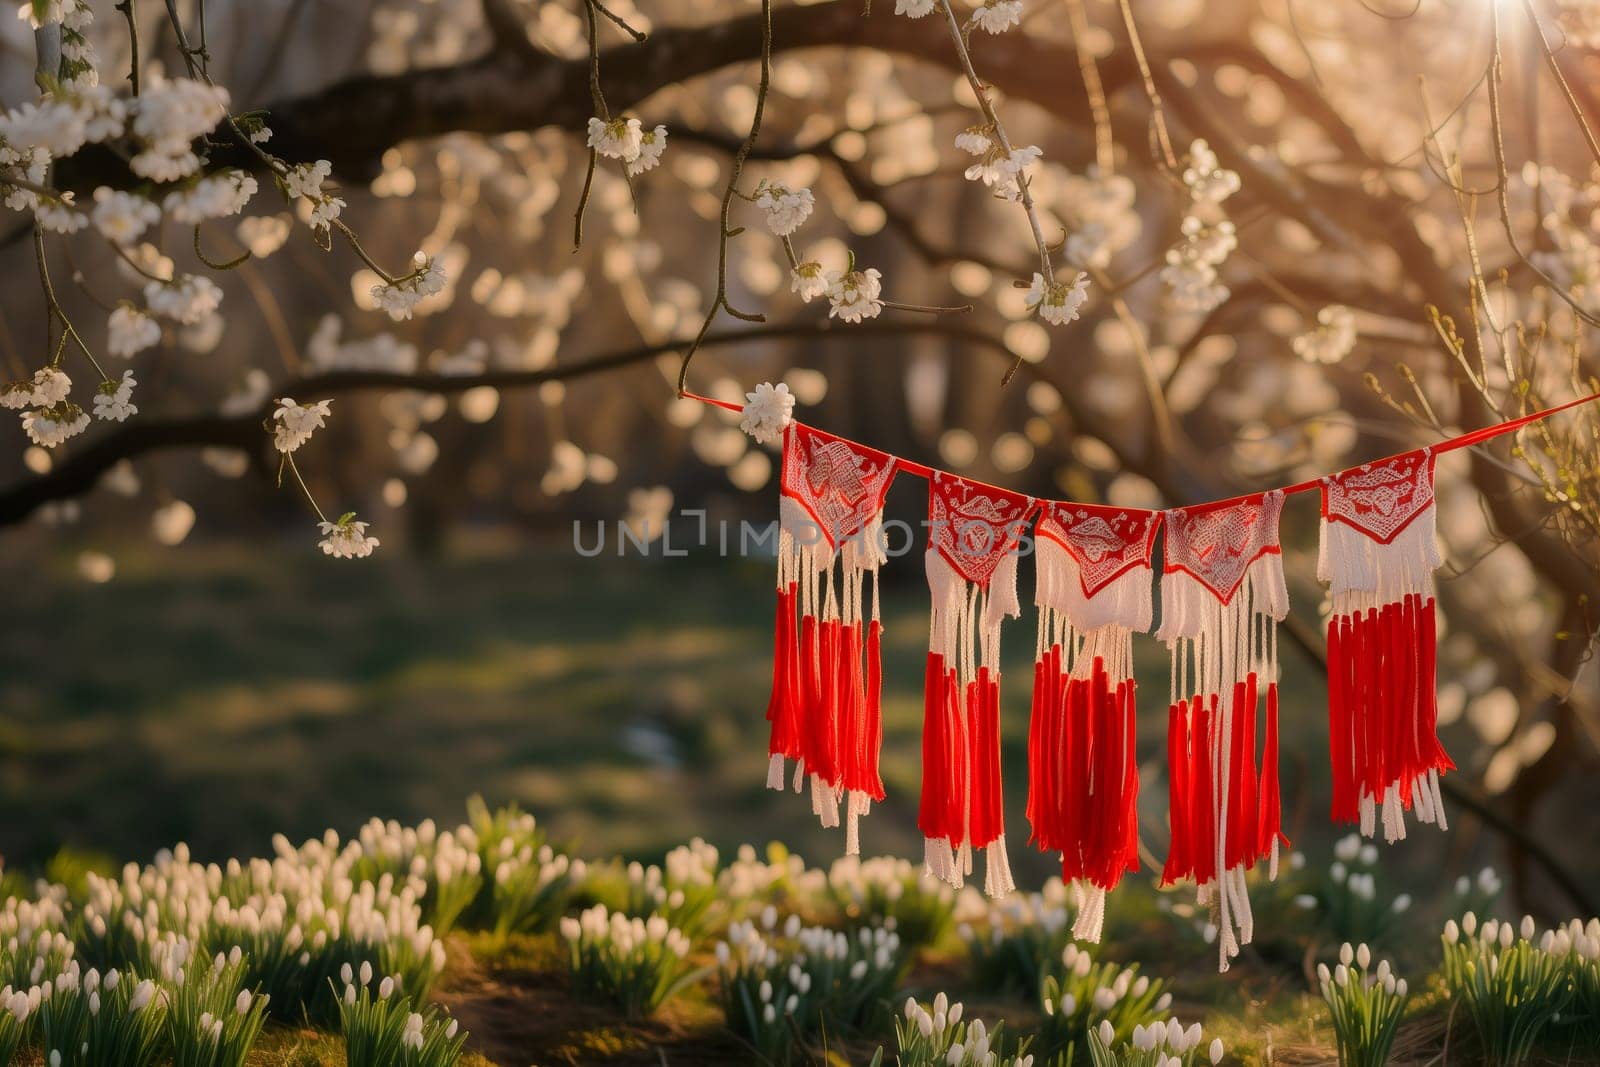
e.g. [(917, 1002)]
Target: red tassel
[(1130, 778), (1249, 805), (1038, 781), (823, 759), (1177, 866), (1439, 759), (960, 773), (1340, 756), (852, 707), (1271, 804), (872, 777), (1204, 805), (935, 751), (783, 708), (984, 726)]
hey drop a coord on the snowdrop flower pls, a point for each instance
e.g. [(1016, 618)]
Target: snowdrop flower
[(186, 300), (399, 298), (1215, 1051), (1469, 924), (130, 331), (386, 987), (347, 539), (855, 295), (998, 16), (1331, 340), (786, 209), (1402, 904), (809, 280), (767, 412), (914, 9), (122, 217), (114, 400), (241, 1004), (1207, 180), (1363, 955), (651, 144), (620, 138), (48, 427), (1107, 1033), (294, 426), (1057, 303), (976, 140), (412, 1037)]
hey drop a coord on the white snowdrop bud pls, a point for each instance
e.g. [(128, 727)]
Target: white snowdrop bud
[(764, 990), (1506, 936), (941, 1004), (956, 1054), (911, 1007), (1400, 988), (1216, 1050), (1346, 954), (242, 1003), (1451, 933), (1527, 928), (386, 988), (1141, 1040), (1341, 976), (955, 1015), (1322, 972), (1108, 1033), (769, 1014), (1363, 955), (366, 973), (1469, 924), (1175, 1034), (925, 1024)]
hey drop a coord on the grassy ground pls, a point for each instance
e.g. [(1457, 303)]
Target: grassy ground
[(218, 698)]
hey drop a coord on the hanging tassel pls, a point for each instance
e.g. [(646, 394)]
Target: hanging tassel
[(824, 704), (971, 564), (1094, 591), (1222, 593), (1378, 552)]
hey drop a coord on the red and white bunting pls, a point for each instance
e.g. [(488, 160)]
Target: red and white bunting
[(824, 708), (1093, 594), (974, 530), (1222, 596), (1378, 552)]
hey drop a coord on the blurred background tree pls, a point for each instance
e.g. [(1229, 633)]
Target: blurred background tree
[(1413, 249)]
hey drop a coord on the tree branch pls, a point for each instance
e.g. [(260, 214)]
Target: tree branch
[(80, 470)]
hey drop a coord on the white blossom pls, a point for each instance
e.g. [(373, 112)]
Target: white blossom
[(215, 196), (1207, 180), (767, 411), (403, 295), (786, 209), (998, 16), (130, 331), (651, 144), (187, 299), (1058, 303), (855, 295), (122, 217), (48, 427), (809, 280), (295, 423), (114, 400), (976, 140), (617, 139), (914, 9), (58, 213), (1331, 340), (50, 387), (347, 539)]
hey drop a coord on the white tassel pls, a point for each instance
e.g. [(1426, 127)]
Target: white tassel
[(799, 774), (775, 772), (997, 880)]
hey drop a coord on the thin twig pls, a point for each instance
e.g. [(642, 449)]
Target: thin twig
[(736, 168)]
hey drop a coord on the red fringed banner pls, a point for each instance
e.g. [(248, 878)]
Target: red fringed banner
[(1378, 553), (824, 707), (1093, 593), (1222, 595), (973, 534)]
